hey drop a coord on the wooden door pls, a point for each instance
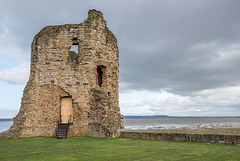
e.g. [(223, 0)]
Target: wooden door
[(66, 110)]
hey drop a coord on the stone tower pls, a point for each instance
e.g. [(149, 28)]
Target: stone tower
[(80, 87)]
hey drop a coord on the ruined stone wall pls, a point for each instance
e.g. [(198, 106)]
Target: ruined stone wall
[(103, 111), (204, 138), (56, 72)]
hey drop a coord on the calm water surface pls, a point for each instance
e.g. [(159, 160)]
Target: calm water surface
[(5, 124)]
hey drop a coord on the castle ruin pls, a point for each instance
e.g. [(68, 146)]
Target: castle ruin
[(77, 89)]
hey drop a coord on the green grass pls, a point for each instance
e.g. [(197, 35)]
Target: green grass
[(88, 148)]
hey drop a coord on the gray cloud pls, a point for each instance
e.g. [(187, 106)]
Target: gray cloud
[(221, 101), (17, 75), (184, 47)]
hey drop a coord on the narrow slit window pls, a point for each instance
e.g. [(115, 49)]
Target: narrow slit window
[(74, 48), (99, 76)]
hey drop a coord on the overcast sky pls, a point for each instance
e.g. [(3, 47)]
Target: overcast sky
[(178, 57)]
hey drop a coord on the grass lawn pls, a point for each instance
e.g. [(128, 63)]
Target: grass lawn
[(88, 148)]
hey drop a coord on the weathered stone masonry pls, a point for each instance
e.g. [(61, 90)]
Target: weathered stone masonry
[(89, 78), (203, 138)]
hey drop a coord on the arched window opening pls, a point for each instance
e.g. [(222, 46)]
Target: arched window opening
[(99, 76)]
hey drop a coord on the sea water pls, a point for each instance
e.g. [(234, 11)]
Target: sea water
[(132, 123), (5, 124), (180, 123)]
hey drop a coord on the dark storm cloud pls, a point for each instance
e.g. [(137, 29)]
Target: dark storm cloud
[(180, 45), (184, 48)]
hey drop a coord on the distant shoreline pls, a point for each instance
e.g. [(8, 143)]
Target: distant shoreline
[(154, 116), (166, 116), (8, 119)]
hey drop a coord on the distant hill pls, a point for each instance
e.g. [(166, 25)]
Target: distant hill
[(166, 116), (6, 119), (146, 117)]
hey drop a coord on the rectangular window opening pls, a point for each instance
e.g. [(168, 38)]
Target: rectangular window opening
[(99, 76), (74, 48)]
